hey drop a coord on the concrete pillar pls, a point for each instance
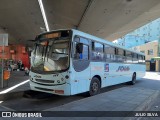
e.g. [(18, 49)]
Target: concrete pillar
[(147, 66), (157, 65)]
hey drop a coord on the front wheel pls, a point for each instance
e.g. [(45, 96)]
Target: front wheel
[(94, 86), (133, 79)]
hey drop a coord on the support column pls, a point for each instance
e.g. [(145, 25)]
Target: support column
[(158, 55)]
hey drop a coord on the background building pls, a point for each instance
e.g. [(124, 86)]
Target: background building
[(147, 33), (145, 39), (150, 50), (130, 41), (15, 53)]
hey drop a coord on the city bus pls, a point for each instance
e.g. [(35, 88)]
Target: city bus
[(69, 62)]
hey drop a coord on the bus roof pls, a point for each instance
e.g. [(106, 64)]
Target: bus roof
[(89, 36), (86, 35)]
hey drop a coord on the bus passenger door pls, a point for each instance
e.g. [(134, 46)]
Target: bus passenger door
[(81, 63)]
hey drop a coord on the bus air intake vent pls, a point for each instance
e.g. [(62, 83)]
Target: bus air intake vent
[(44, 81)]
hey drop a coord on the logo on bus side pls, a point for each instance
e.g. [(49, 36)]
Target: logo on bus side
[(106, 67), (123, 68)]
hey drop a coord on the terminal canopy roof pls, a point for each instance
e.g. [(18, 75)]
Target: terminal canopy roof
[(108, 19)]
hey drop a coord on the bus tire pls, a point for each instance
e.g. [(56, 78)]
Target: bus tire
[(133, 79), (94, 86)]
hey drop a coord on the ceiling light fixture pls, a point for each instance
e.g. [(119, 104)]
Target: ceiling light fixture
[(43, 14)]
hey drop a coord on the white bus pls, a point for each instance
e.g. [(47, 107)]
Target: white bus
[(68, 62)]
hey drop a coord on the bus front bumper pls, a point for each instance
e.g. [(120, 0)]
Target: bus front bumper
[(64, 89)]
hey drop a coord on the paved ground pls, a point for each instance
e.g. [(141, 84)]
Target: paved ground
[(16, 78), (154, 107), (123, 99), (150, 81), (116, 98)]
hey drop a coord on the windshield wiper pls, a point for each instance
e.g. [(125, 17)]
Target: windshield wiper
[(60, 53)]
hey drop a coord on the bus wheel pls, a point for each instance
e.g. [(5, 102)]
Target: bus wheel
[(133, 79), (94, 86)]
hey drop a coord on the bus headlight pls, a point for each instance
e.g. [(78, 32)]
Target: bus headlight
[(66, 76)]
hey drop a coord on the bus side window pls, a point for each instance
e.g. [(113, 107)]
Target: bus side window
[(84, 55), (120, 55), (128, 57), (75, 52), (135, 59), (109, 53), (124, 55), (144, 59), (141, 59), (97, 51)]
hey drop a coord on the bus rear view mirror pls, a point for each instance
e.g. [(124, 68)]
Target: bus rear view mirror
[(79, 47)]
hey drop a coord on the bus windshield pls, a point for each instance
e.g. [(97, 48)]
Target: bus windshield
[(50, 55)]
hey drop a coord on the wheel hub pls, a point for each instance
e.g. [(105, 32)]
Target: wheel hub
[(95, 87)]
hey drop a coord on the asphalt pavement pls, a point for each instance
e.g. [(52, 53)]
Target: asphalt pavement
[(143, 96)]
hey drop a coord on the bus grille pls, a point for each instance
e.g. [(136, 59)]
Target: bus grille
[(44, 81)]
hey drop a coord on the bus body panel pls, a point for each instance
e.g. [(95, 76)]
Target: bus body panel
[(118, 73), (141, 71), (80, 81), (73, 83), (97, 69)]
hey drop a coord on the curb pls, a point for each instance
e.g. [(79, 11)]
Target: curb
[(145, 105)]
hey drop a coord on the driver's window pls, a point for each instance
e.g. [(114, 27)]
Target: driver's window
[(76, 54), (84, 54)]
